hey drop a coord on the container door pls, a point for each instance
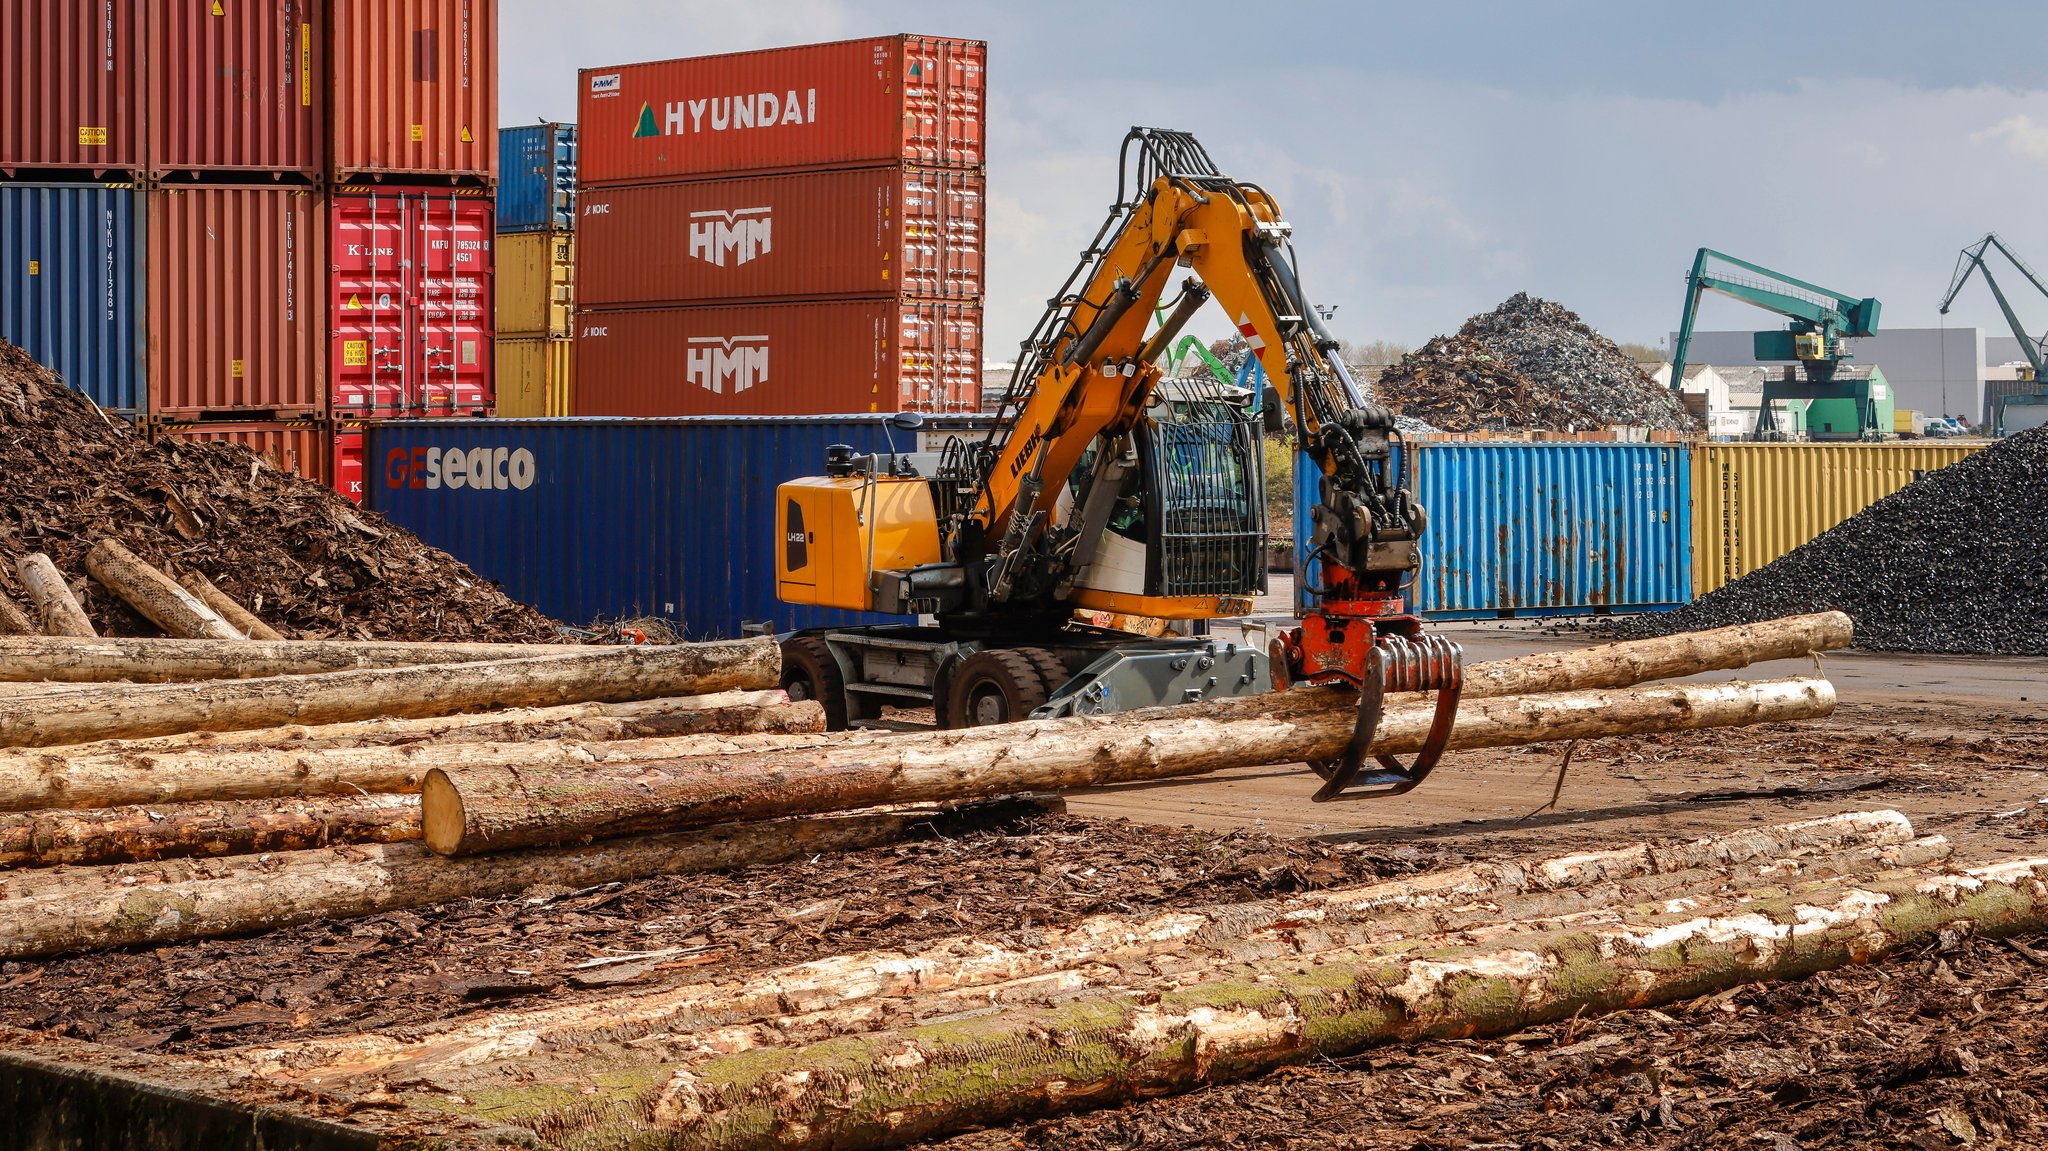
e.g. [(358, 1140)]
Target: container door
[(943, 82), (346, 467), (372, 256), (453, 294)]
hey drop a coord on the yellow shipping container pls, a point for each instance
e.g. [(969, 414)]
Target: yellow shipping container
[(533, 377), (1752, 503), (536, 274)]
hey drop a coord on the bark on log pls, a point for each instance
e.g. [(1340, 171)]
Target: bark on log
[(611, 675), (474, 809), (910, 1084), (99, 660), (140, 834), (50, 912), (241, 618), (1666, 657), (156, 595), (14, 621), (58, 609), (953, 974)]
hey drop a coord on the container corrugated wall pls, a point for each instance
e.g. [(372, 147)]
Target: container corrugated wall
[(72, 85), (874, 101), (1755, 502), (236, 322), (298, 446), (537, 178), (236, 86), (71, 288), (535, 284), (860, 232), (534, 377), (413, 89), (588, 519)]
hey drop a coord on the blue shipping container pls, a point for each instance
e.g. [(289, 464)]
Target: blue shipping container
[(1540, 529), (72, 284), (537, 178), (594, 518)]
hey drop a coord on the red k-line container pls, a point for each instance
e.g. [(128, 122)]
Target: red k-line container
[(236, 310), (236, 86), (299, 446), (71, 85), (413, 89), (836, 357), (854, 232), (345, 459), (409, 300), (915, 99)]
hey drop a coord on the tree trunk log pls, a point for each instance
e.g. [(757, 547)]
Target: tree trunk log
[(60, 613), (156, 595), (14, 621), (241, 618), (50, 912), (139, 834), (611, 675), (1666, 657), (474, 809), (1115, 1043), (99, 660)]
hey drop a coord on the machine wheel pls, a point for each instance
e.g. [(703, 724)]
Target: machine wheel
[(995, 686), (1051, 671), (810, 672)]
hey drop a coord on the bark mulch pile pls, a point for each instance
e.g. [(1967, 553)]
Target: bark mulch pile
[(293, 551)]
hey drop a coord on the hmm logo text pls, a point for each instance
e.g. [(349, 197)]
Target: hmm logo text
[(724, 113), (483, 469), (742, 233), (712, 360), (605, 85)]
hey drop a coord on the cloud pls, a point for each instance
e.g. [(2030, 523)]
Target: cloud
[(2022, 136)]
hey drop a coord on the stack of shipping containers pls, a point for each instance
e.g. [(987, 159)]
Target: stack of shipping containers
[(787, 232), (214, 214), (536, 268)]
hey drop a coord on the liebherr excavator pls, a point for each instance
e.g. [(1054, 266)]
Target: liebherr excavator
[(1097, 488)]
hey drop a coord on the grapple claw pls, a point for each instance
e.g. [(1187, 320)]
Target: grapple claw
[(1398, 663)]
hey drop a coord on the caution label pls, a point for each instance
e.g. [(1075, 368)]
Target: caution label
[(419, 133), (355, 353), (355, 303), (91, 137), (466, 137), (235, 368), (305, 65), (35, 267), (218, 10)]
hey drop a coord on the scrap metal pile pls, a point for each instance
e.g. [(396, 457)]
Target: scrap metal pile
[(304, 559), (1956, 561), (1528, 365)]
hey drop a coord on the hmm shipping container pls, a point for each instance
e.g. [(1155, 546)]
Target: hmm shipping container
[(535, 283), (236, 87), (534, 377), (71, 86), (1540, 529), (297, 446), (236, 320), (864, 232), (537, 178), (1754, 502), (589, 519), (413, 89), (71, 285), (914, 99), (409, 302), (780, 359)]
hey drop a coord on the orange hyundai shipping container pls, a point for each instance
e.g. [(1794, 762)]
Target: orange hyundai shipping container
[(236, 86), (237, 322), (855, 232), (298, 446), (71, 85), (413, 89), (787, 359), (887, 99)]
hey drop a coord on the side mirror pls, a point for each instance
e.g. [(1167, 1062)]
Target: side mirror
[(907, 421), (1274, 415)]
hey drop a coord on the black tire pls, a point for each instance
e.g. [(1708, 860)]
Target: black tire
[(1051, 671), (994, 686), (810, 672)]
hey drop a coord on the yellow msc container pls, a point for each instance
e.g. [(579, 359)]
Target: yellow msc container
[(1752, 503), (536, 283), (534, 377)]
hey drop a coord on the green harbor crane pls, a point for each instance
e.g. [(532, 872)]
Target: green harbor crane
[(1972, 260), (1815, 343)]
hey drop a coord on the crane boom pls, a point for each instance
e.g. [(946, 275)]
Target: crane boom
[(1972, 260)]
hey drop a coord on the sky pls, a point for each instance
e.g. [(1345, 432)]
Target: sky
[(1434, 159)]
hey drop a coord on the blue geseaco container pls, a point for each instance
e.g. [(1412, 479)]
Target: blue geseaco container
[(1519, 529), (613, 518), (537, 178), (72, 285)]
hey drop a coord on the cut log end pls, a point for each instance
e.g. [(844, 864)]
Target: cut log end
[(442, 817)]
